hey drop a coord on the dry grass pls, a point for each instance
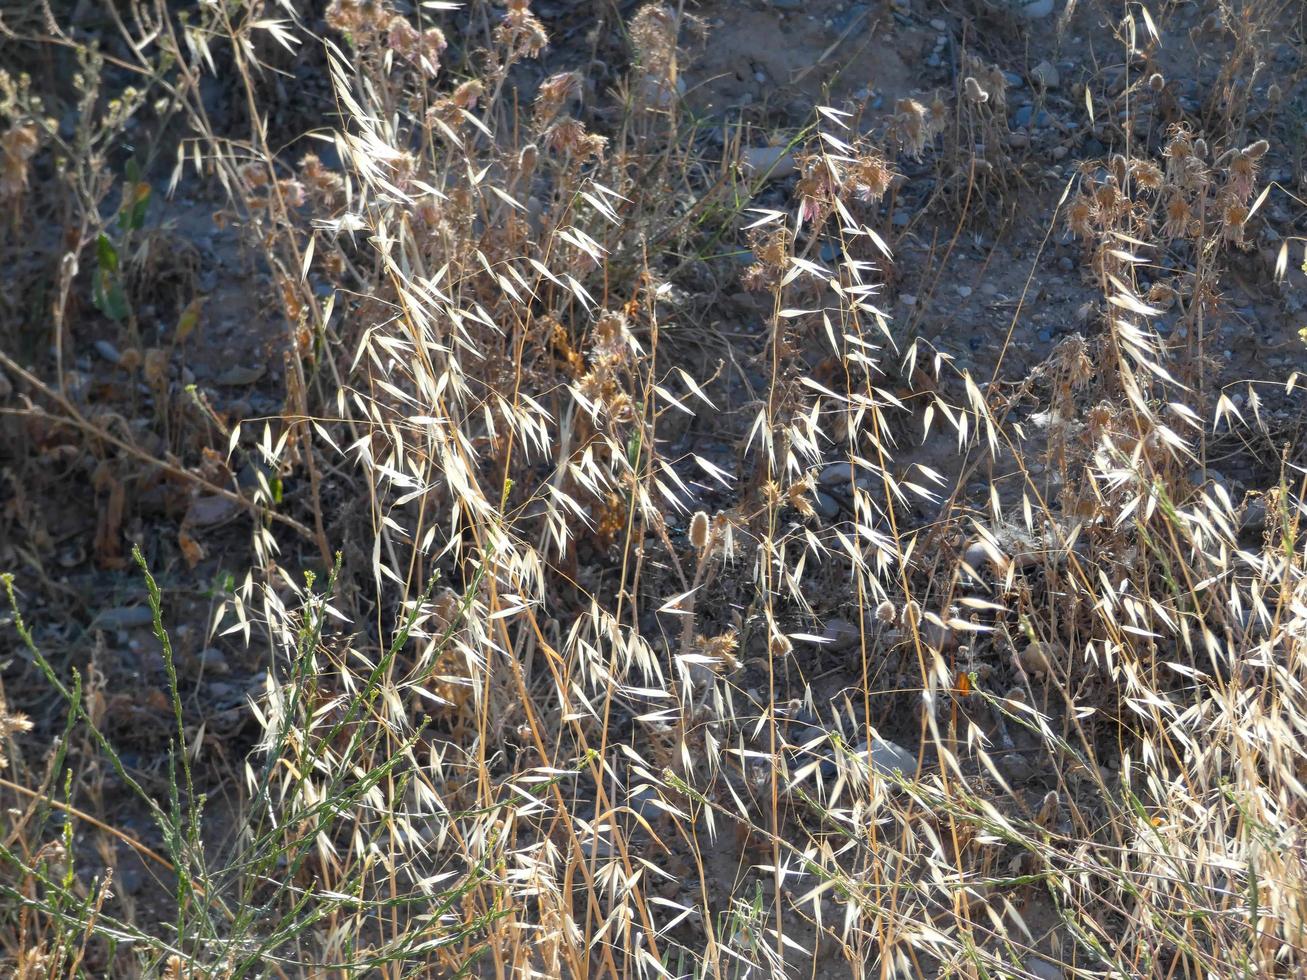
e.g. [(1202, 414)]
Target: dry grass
[(541, 711)]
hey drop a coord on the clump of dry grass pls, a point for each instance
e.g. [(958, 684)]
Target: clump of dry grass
[(548, 714)]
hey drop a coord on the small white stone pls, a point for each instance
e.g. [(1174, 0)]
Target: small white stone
[(964, 291)]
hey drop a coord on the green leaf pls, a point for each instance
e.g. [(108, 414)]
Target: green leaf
[(136, 200), (105, 254), (108, 296)]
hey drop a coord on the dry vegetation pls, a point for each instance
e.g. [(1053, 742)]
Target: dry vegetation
[(551, 689)]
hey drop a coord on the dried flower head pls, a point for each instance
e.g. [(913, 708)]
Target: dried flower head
[(721, 648), (1080, 217), (468, 94), (885, 612), (1178, 216), (1234, 218), (1156, 82), (555, 93), (1146, 175), (869, 177), (1241, 175), (912, 125), (17, 147), (974, 92), (521, 33), (699, 531), (653, 35)]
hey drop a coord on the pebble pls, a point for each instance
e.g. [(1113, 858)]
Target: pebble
[(938, 24), (213, 659), (886, 758), (840, 634), (108, 351), (901, 219), (124, 618), (1253, 519), (1023, 116), (826, 506), (1045, 336), (835, 475), (210, 510), (964, 291), (1017, 767), (772, 162), (130, 880), (908, 299), (221, 691), (977, 557), (1038, 657), (1037, 9), (1041, 969)]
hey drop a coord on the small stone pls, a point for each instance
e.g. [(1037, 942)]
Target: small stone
[(130, 880), (826, 506), (124, 618), (108, 351), (1046, 75), (1036, 9), (1066, 264), (977, 558), (1058, 152), (210, 510), (908, 299), (214, 660), (1253, 519), (1043, 970), (964, 291), (888, 757), (1017, 767), (901, 219), (771, 162), (220, 691), (1045, 336), (938, 25), (835, 475), (1039, 657), (840, 634)]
